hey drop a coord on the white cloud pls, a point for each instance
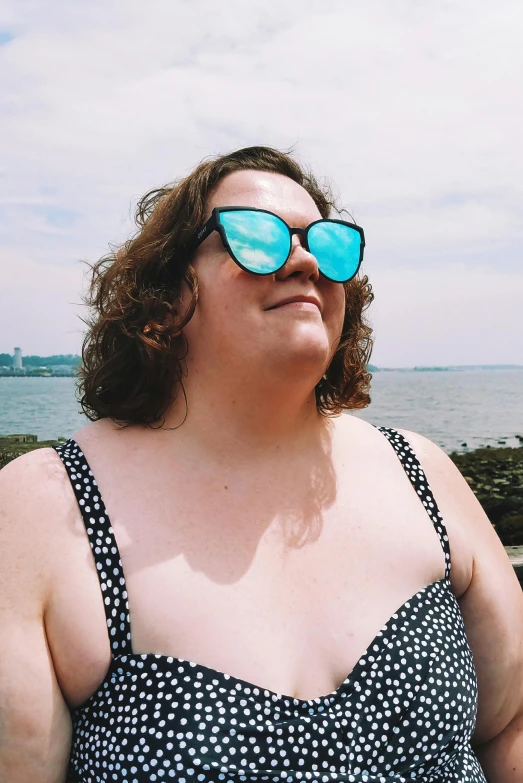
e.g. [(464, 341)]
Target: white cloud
[(40, 305), (449, 315), (414, 110)]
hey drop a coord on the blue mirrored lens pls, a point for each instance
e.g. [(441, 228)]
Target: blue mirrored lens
[(337, 249), (259, 241)]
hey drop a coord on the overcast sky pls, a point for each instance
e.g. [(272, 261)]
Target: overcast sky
[(413, 110)]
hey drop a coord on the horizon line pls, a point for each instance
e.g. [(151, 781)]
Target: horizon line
[(370, 364)]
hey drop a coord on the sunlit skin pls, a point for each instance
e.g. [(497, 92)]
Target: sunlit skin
[(258, 539), (254, 362)]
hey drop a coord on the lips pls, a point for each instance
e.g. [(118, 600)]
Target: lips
[(291, 299)]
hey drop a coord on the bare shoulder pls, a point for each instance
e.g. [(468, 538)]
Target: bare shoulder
[(492, 605), (38, 516), (451, 491), (456, 501), (32, 484), (36, 727), (35, 498)]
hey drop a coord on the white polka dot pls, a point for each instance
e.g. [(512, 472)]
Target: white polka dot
[(405, 713)]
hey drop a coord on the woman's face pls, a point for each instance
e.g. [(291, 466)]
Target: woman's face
[(240, 320)]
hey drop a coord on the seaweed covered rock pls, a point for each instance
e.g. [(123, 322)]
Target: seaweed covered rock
[(496, 478), (13, 446)]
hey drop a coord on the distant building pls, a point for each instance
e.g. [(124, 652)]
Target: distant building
[(63, 369), (17, 359)]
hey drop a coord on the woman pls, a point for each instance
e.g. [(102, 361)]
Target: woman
[(291, 575)]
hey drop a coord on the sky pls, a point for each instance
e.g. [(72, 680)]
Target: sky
[(413, 111)]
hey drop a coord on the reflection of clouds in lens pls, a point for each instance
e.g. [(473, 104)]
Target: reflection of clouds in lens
[(256, 259), (260, 241), (336, 248)]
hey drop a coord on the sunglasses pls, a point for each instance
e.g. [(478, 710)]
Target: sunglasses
[(260, 242)]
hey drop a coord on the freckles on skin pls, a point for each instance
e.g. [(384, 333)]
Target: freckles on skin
[(233, 304), (232, 310)]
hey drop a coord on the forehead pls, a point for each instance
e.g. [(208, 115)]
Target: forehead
[(266, 190)]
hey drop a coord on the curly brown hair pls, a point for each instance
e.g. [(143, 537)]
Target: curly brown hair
[(133, 349)]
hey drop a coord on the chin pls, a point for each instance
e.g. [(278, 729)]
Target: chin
[(305, 357), (313, 343)]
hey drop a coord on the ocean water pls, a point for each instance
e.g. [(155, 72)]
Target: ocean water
[(472, 407), (454, 408)]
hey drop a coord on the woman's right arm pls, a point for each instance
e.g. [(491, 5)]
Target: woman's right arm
[(35, 723)]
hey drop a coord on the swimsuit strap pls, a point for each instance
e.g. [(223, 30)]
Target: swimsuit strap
[(103, 546), (415, 472), (105, 550)]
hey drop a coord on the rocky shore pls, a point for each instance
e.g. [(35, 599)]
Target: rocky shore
[(496, 478), (11, 449)]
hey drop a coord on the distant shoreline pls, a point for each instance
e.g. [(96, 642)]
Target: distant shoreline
[(37, 375), (448, 368), (371, 368), (68, 365)]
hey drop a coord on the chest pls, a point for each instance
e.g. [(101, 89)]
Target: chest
[(282, 592), (411, 698)]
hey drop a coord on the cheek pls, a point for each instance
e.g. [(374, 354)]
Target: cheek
[(225, 292), (334, 303), (226, 298)]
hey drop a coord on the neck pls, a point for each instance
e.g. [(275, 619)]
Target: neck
[(254, 416)]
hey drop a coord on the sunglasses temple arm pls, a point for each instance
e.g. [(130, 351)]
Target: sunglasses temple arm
[(204, 232)]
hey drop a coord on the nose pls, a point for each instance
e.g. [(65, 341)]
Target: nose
[(301, 263)]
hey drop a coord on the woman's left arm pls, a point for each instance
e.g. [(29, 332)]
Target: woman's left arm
[(492, 609)]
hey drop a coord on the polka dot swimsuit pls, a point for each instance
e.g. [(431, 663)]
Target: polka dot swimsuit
[(406, 711)]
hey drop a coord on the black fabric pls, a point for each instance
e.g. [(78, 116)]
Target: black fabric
[(406, 712)]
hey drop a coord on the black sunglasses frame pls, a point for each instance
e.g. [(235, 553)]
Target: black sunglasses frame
[(214, 224)]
